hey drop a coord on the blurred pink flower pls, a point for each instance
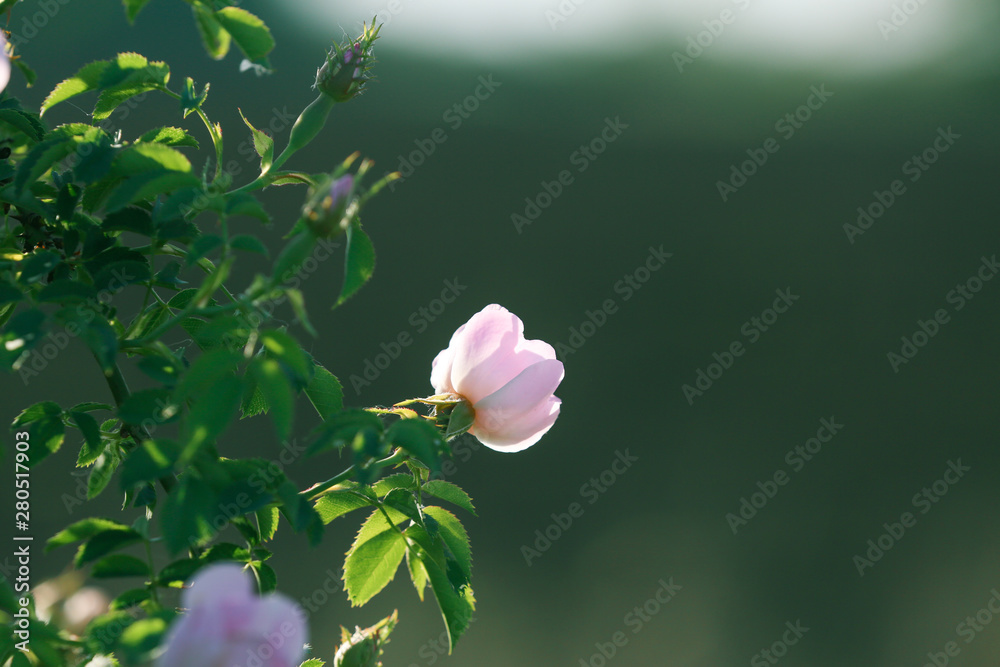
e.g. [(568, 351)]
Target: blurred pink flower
[(508, 380), (4, 62), (227, 624)]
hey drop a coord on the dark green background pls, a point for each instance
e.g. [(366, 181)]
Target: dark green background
[(656, 185)]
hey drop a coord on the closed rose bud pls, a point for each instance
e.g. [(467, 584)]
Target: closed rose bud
[(326, 210), (508, 380), (345, 72)]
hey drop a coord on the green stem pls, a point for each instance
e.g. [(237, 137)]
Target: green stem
[(120, 392), (152, 568), (317, 490)]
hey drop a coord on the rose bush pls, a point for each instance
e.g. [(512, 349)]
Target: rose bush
[(508, 380)]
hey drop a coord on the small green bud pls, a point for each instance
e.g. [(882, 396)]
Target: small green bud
[(363, 647), (345, 72), (326, 210)]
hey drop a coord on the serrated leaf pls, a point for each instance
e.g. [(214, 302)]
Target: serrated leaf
[(149, 156), (169, 136), (119, 565), (213, 35), (283, 347), (450, 492), (24, 122), (211, 415), (82, 530), (338, 503), (246, 204), (142, 638), (342, 428), (188, 514), (418, 573), (104, 543), (419, 438), (325, 392), (262, 143), (38, 265), (249, 244), (277, 392), (133, 7), (267, 522), (112, 98), (373, 559), (450, 530), (148, 185), (86, 79), (397, 481), (456, 604), (359, 262), (248, 31), (92, 443), (152, 460), (102, 472)]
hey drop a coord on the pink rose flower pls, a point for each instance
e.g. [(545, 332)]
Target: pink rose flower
[(227, 624), (4, 62), (508, 380)]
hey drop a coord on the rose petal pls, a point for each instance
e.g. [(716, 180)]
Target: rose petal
[(523, 431), (217, 584), (283, 626), (491, 351), (441, 372)]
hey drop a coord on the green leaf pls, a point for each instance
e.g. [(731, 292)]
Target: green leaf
[(298, 303), (38, 265), (148, 185), (46, 436), (153, 459), (95, 331), (341, 429), (286, 349), (455, 538), (104, 543), (119, 565), (188, 514), (262, 143), (456, 604), (277, 394), (338, 503), (210, 368), (103, 633), (149, 405), (267, 522), (102, 472), (397, 481), (86, 79), (132, 8), (93, 446), (149, 156), (213, 35), (82, 530), (418, 573), (451, 493), (248, 31), (249, 244), (211, 415), (142, 638), (373, 559), (112, 98), (325, 392), (359, 264), (292, 256), (419, 438), (169, 136), (23, 332), (130, 598), (66, 291), (165, 371), (202, 245), (131, 219), (246, 204), (24, 122), (313, 662)]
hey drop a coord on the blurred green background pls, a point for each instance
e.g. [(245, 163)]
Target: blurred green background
[(655, 185)]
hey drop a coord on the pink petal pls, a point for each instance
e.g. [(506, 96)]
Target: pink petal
[(4, 63), (521, 410), (441, 372), (218, 584), (196, 638), (282, 629), (490, 351), (523, 431)]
